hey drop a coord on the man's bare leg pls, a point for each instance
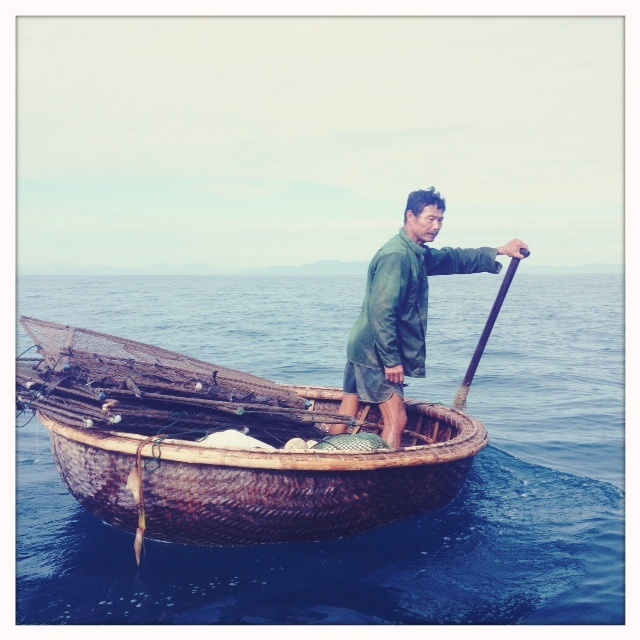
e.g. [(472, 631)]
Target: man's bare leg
[(394, 415), (348, 407)]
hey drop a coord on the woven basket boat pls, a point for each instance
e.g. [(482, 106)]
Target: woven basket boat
[(171, 487)]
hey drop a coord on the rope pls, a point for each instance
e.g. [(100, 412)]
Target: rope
[(142, 524), (156, 448), (33, 346), (138, 544)]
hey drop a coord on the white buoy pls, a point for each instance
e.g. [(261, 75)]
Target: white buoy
[(295, 444)]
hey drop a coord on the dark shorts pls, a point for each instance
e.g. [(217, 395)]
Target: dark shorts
[(370, 385)]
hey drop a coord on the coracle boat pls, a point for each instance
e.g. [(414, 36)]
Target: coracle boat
[(184, 451)]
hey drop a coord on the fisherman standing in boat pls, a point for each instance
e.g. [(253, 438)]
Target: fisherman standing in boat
[(387, 341)]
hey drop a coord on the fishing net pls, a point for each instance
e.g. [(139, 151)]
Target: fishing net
[(95, 380), (352, 442), (118, 360)]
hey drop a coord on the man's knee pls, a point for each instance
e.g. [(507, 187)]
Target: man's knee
[(349, 405)]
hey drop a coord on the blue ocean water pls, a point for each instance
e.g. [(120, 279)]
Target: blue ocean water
[(535, 537)]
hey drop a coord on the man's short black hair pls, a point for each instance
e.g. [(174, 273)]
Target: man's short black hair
[(420, 199)]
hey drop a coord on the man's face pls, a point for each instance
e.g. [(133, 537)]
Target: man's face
[(426, 226)]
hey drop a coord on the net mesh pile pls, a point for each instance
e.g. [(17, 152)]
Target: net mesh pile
[(102, 356), (352, 442), (95, 380)]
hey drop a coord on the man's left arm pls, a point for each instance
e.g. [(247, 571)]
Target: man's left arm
[(448, 261)]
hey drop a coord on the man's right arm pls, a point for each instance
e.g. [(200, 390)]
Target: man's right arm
[(389, 283)]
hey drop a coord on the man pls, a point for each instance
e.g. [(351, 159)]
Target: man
[(387, 341)]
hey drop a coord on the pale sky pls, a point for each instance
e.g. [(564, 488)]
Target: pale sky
[(259, 141)]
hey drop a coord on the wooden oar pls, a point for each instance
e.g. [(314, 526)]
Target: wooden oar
[(460, 401)]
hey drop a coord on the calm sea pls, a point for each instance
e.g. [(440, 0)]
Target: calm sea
[(535, 537)]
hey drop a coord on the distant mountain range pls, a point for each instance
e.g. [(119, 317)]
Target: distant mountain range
[(322, 267)]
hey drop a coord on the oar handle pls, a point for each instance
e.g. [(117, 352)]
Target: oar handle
[(460, 400)]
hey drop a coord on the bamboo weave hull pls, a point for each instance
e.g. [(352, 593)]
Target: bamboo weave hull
[(248, 497)]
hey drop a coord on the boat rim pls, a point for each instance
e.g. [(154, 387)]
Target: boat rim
[(472, 438)]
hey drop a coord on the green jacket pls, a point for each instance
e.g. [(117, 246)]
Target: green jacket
[(392, 324)]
